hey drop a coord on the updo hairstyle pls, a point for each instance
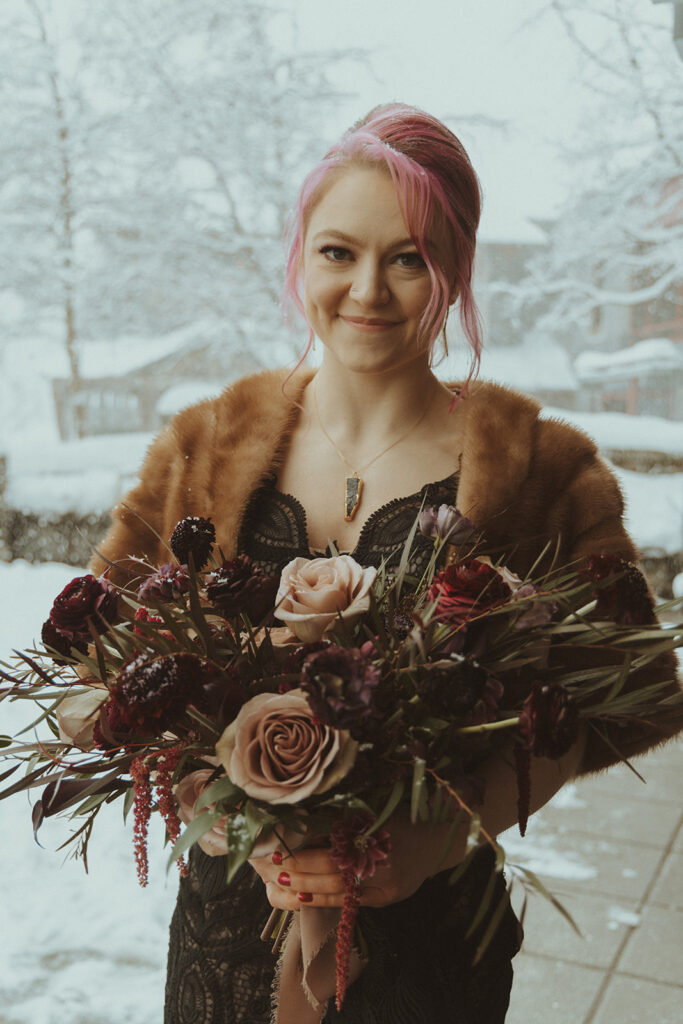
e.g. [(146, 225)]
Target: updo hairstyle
[(438, 191)]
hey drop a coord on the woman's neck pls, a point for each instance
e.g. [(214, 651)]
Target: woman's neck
[(363, 411)]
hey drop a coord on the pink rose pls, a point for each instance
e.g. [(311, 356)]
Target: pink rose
[(276, 751), (77, 715), (187, 792), (314, 592)]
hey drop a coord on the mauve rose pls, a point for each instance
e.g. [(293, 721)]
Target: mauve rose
[(277, 752), (77, 715), (84, 600), (187, 792), (315, 592)]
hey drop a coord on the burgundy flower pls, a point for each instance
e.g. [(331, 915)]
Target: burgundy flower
[(112, 730), (353, 850), (239, 587), (63, 643), (340, 684), (549, 721), (462, 690), (446, 523), (85, 600), (151, 694), (193, 536), (168, 583), (622, 594), (466, 589)]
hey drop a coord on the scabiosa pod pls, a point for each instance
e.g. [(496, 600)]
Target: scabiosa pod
[(193, 536)]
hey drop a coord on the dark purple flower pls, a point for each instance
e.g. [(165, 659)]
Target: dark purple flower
[(63, 643), (461, 690), (193, 536), (168, 583), (340, 684), (622, 592), (85, 600), (239, 587), (446, 523), (353, 850), (549, 721)]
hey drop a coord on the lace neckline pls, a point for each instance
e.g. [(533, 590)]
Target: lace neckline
[(368, 525)]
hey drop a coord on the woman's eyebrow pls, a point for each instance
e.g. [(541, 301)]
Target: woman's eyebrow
[(355, 241)]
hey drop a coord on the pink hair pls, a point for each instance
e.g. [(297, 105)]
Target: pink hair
[(434, 181)]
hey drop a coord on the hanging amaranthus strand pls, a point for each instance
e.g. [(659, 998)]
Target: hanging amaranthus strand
[(167, 762), (345, 932), (142, 808)]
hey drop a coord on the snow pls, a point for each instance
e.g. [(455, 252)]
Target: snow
[(529, 367), (654, 510), (188, 393), (85, 476), (637, 360), (74, 928), (617, 431)]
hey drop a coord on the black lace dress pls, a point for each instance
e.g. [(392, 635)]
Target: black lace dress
[(421, 961)]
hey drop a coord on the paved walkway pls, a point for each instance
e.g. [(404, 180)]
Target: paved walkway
[(619, 845)]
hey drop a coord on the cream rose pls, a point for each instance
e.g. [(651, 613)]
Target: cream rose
[(276, 752), (187, 792), (76, 716), (314, 592)]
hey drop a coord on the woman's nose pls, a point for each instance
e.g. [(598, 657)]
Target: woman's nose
[(369, 286)]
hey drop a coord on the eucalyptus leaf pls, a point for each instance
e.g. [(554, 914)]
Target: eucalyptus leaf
[(390, 806), (222, 789), (418, 790), (194, 831)]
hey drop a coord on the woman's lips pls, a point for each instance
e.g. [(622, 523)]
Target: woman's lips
[(371, 324)]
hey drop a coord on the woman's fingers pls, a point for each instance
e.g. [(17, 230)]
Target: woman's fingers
[(288, 899)]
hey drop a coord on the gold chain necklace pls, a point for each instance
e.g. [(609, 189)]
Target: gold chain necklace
[(353, 485)]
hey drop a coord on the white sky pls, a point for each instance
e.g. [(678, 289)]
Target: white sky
[(505, 59)]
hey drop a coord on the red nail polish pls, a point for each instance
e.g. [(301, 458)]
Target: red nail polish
[(277, 857), (305, 897), (283, 878)]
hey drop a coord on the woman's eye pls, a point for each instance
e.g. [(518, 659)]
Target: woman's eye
[(410, 260), (334, 253)]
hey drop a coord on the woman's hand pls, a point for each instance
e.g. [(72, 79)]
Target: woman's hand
[(309, 877)]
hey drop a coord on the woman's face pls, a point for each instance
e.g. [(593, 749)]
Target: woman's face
[(365, 285)]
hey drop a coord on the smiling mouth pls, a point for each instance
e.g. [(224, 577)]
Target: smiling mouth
[(362, 321)]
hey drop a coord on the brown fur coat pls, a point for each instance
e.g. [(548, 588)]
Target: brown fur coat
[(523, 480)]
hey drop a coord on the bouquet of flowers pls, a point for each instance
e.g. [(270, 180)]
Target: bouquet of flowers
[(241, 707)]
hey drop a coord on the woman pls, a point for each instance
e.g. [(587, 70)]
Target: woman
[(381, 246)]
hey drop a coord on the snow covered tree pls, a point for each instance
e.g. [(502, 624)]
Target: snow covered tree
[(615, 255), (150, 152)]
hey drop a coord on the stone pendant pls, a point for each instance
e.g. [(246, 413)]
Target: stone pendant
[(352, 493)]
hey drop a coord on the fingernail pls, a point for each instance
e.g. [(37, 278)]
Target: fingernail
[(277, 857), (283, 878), (305, 897)]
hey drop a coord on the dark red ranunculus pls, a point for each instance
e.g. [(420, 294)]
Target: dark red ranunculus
[(622, 594), (240, 588), (549, 721), (467, 589), (151, 694), (63, 643), (193, 536), (84, 600)]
